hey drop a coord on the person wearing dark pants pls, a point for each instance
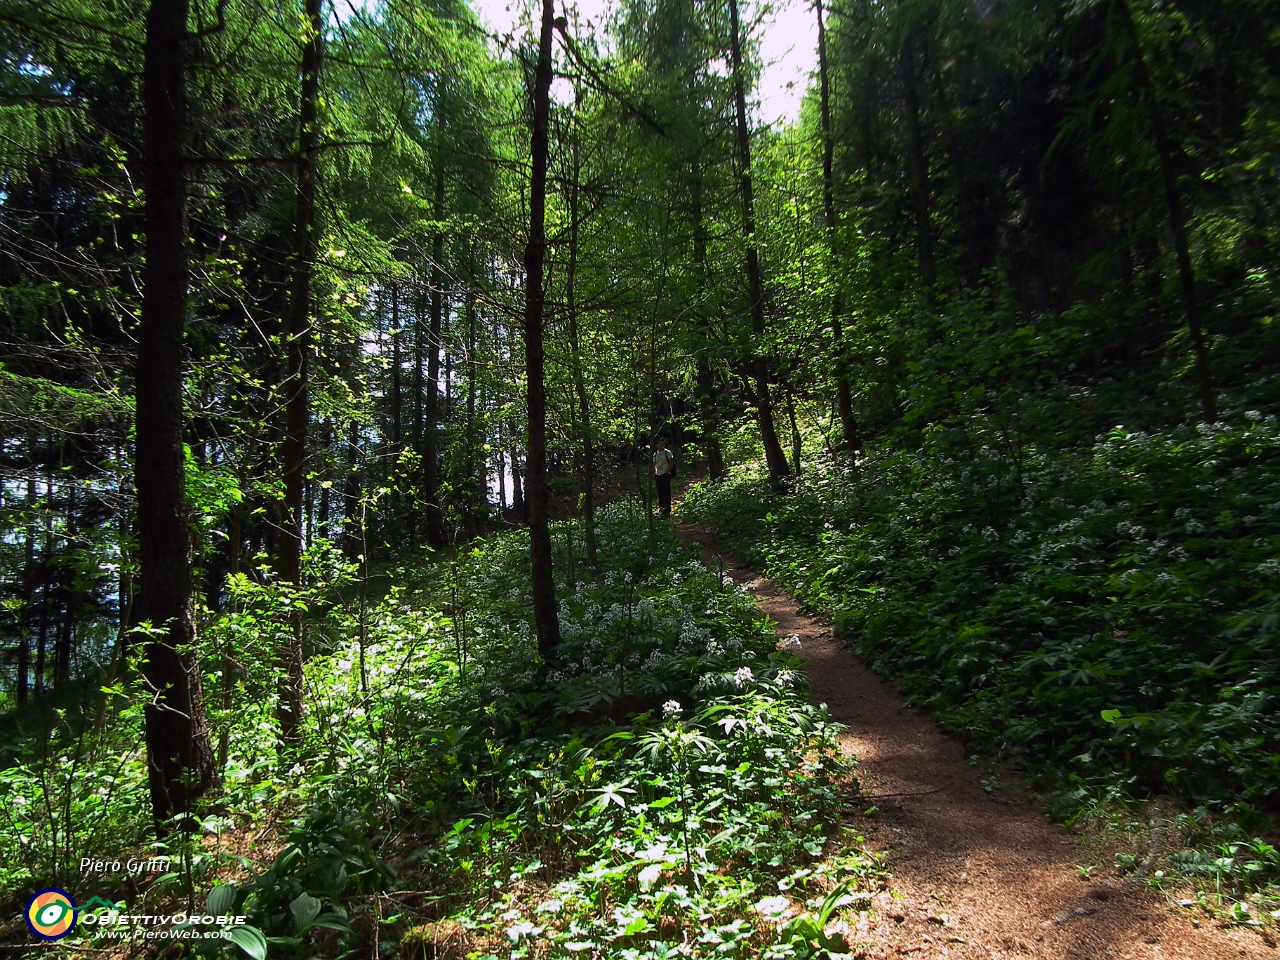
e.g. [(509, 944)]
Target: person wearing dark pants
[(664, 468)]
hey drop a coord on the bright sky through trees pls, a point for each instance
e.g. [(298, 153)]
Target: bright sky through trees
[(787, 36)]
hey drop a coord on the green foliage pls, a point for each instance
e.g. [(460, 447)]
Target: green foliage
[(1106, 614), (642, 790), (988, 274), (34, 402), (658, 828), (68, 790)]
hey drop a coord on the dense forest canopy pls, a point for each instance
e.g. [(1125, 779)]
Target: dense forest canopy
[(336, 338)]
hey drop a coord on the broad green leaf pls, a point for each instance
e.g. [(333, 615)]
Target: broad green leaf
[(221, 900), (305, 908), (251, 941)]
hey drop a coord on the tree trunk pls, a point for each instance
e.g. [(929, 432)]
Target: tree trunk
[(431, 399), (536, 493), (397, 404), (587, 469), (844, 396), (70, 601), (517, 487), (28, 582), (475, 483), (502, 482), (397, 364), (918, 168), (298, 346), (797, 446), (708, 392), (180, 761), (124, 586), (419, 381), (42, 637), (352, 534), (1177, 219), (774, 456), (326, 484)]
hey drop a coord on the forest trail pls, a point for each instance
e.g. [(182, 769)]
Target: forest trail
[(980, 875)]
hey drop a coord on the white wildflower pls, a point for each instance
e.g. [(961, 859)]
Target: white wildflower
[(671, 709), (773, 908), (743, 676)]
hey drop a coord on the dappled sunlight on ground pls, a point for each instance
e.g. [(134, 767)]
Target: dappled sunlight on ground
[(978, 869)]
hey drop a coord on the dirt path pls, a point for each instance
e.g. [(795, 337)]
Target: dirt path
[(980, 876)]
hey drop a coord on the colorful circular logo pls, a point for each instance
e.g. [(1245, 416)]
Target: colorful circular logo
[(51, 914)]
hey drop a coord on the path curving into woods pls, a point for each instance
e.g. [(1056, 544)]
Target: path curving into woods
[(980, 875)]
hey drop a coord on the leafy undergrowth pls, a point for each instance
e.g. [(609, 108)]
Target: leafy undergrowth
[(661, 788), (1105, 615), (1194, 858)]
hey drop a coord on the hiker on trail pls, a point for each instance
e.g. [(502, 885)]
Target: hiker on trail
[(664, 468)]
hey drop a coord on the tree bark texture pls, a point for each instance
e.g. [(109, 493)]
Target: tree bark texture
[(535, 486), (297, 349), (587, 469), (431, 397), (28, 584), (475, 489), (844, 395), (180, 760), (775, 457)]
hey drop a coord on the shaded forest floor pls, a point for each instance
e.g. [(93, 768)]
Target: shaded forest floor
[(977, 871), (660, 787)]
